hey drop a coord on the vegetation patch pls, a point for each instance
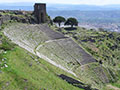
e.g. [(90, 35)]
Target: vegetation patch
[(20, 69), (104, 46)]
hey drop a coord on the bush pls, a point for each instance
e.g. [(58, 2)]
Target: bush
[(6, 45)]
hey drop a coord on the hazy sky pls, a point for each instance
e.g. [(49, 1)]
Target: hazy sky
[(92, 2)]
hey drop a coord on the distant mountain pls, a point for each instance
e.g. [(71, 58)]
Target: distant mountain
[(89, 16), (16, 6), (83, 7), (29, 6)]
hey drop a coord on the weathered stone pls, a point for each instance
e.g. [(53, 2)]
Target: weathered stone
[(0, 42), (6, 65), (7, 83), (5, 52), (5, 18), (40, 12), (26, 88), (36, 60), (25, 80), (24, 20), (18, 12), (5, 62), (28, 16), (2, 59), (30, 65)]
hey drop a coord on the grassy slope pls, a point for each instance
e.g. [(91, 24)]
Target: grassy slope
[(90, 74), (28, 72), (104, 46), (25, 76)]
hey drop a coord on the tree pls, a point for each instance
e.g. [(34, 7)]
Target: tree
[(72, 22), (51, 22), (59, 20)]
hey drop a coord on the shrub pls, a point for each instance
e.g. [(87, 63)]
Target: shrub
[(6, 45)]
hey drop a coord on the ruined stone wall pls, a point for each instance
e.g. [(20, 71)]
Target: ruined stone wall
[(16, 15), (0, 22), (4, 19), (40, 12)]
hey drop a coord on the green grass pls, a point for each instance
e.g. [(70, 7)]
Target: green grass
[(117, 84), (20, 75)]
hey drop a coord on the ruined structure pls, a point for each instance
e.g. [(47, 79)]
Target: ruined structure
[(40, 12)]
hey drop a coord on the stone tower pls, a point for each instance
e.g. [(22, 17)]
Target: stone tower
[(40, 12)]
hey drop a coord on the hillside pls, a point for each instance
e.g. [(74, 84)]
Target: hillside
[(22, 70), (44, 57), (104, 46), (60, 51)]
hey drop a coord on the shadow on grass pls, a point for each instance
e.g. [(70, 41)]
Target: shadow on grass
[(76, 83), (70, 28)]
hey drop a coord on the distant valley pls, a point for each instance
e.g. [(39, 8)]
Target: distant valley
[(89, 16), (109, 20)]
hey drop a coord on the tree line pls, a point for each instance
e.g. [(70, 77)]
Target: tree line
[(70, 21)]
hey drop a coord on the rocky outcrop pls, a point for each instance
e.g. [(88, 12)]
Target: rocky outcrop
[(16, 15)]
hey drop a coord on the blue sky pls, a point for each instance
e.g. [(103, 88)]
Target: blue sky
[(90, 2)]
